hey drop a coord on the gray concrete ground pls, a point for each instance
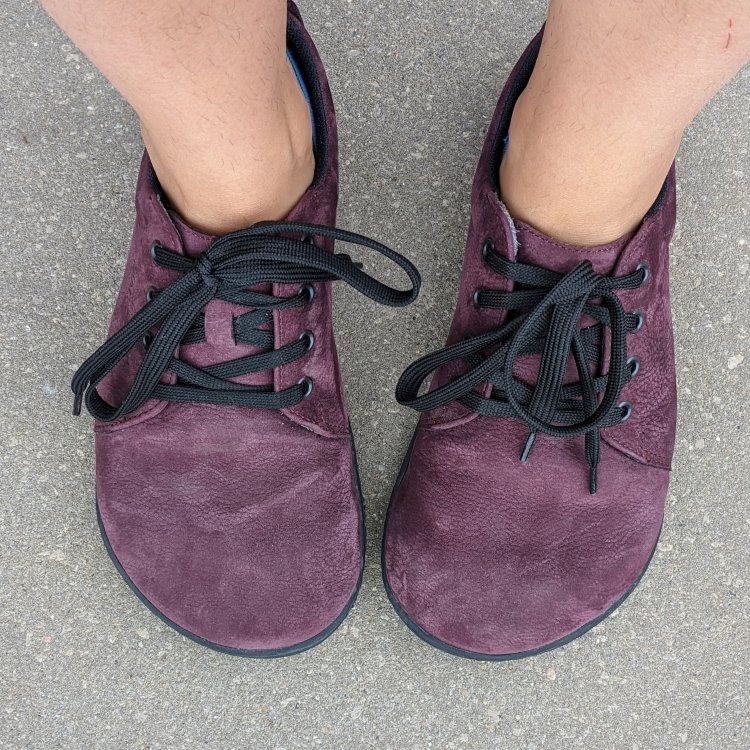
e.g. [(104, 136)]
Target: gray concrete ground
[(84, 665)]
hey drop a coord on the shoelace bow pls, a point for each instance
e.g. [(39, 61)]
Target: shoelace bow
[(226, 271), (545, 310)]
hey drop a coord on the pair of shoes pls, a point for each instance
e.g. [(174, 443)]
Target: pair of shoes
[(227, 487)]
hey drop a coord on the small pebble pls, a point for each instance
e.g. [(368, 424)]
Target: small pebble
[(735, 361)]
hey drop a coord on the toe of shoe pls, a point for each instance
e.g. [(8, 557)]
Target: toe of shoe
[(509, 564), (243, 548)]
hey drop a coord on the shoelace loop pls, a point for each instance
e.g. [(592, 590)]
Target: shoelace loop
[(232, 265), (545, 309)]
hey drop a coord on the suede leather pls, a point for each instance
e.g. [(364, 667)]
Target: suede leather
[(241, 526), (492, 557)]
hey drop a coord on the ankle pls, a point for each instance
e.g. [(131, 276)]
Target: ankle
[(585, 188), (217, 202), (226, 183), (579, 220)]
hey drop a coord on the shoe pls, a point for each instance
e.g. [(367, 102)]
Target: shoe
[(532, 497), (226, 480)]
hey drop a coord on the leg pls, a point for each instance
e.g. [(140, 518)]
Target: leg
[(494, 547), (616, 84), (230, 503), (222, 115)]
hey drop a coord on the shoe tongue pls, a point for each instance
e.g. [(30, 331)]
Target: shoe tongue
[(219, 316), (539, 250), (193, 242)]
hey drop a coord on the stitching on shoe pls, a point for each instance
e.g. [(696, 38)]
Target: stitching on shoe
[(595, 249), (140, 416)]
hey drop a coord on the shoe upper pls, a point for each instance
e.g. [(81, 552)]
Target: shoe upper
[(242, 526), (492, 556)]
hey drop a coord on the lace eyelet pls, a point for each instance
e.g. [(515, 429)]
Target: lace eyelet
[(147, 340), (309, 337), (151, 292), (308, 239), (487, 248), (645, 269), (634, 365), (640, 322), (308, 386), (152, 251), (627, 408), (308, 291), (475, 298)]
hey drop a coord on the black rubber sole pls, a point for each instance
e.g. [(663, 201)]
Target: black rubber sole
[(253, 653), (478, 656)]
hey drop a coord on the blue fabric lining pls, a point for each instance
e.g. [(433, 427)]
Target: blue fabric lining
[(303, 86)]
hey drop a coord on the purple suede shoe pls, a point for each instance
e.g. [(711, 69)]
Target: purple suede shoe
[(533, 494), (227, 488)]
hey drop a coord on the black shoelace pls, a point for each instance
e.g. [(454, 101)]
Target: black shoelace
[(226, 271), (545, 310)]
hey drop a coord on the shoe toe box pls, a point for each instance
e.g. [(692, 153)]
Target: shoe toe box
[(244, 536), (494, 558)]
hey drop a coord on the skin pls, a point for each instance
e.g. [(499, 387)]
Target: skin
[(616, 84), (222, 115), (591, 139)]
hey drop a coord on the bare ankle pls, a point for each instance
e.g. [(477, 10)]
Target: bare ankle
[(219, 202), (231, 179), (578, 188)]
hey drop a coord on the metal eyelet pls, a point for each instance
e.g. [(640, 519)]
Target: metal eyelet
[(645, 269), (151, 292), (487, 248), (627, 408), (308, 292), (308, 384), (475, 298), (309, 337), (309, 239), (634, 365), (641, 320), (152, 252), (147, 340)]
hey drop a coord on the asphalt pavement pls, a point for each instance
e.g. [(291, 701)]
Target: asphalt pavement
[(84, 665)]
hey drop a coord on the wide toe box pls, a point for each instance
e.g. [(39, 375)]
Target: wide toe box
[(247, 537), (489, 557)]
